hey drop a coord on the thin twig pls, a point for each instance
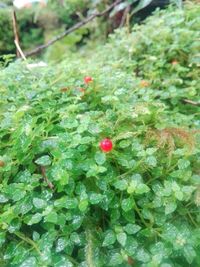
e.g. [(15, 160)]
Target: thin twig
[(124, 17), (191, 102), (72, 29), (15, 30), (20, 50), (50, 185)]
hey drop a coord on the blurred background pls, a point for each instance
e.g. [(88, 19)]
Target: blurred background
[(40, 20)]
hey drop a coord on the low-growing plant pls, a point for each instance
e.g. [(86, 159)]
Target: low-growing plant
[(97, 172)]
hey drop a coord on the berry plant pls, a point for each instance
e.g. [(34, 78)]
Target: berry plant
[(100, 154), (106, 145)]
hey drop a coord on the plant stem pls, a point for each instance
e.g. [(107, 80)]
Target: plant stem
[(50, 185), (73, 260), (192, 220), (29, 241), (140, 215), (89, 252)]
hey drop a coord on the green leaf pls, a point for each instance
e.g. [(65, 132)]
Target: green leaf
[(24, 177), (179, 195), (95, 170), (15, 191), (61, 261), (75, 238), (150, 151), (83, 204), (121, 238), (3, 199), (189, 253), (183, 164), (30, 262), (142, 188), (43, 161), (132, 187), (109, 239), (132, 228), (87, 140), (121, 185), (170, 232), (39, 203), (71, 203), (52, 217), (59, 174), (100, 158), (36, 218), (142, 255), (116, 259), (124, 143), (127, 204), (151, 161), (61, 202), (95, 198), (131, 245), (14, 225), (61, 244), (94, 128), (69, 123), (36, 236), (187, 191), (170, 207), (24, 205)]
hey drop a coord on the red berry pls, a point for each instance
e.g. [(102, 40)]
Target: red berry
[(88, 79), (106, 145)]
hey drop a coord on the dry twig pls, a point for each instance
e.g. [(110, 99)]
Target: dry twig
[(15, 30), (124, 17), (50, 185), (191, 102)]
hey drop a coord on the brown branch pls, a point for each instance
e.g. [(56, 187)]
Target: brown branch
[(50, 185), (191, 102), (72, 29), (20, 50), (124, 17), (15, 30)]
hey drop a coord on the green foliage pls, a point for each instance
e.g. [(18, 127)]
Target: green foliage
[(66, 203), (30, 34), (67, 9), (36, 24), (6, 33)]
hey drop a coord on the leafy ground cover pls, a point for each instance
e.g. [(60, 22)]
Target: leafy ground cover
[(70, 198)]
